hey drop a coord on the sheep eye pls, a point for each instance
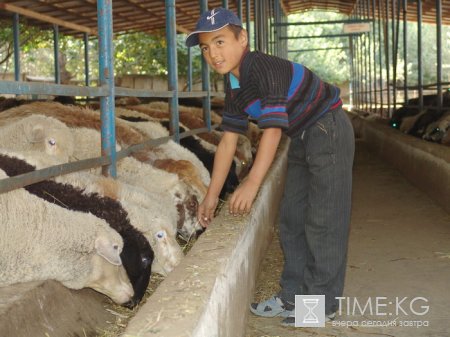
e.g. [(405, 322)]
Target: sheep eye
[(160, 234), (51, 141), (115, 247)]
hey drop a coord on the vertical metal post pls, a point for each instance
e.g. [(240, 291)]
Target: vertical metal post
[(439, 52), (388, 62), (369, 56), (394, 55), (56, 53), (352, 70), (374, 56), (225, 4), (419, 52), (189, 73), (239, 9), (106, 76), (87, 80), (16, 33), (247, 21), (205, 79), (256, 20), (360, 60), (171, 38), (365, 51), (380, 55), (405, 52)]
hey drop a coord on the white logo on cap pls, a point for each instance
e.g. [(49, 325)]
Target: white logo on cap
[(211, 17)]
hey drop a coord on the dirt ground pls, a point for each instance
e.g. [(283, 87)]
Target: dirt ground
[(399, 247)]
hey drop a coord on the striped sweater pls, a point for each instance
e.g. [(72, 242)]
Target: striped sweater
[(276, 93)]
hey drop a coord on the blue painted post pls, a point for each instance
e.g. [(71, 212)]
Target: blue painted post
[(16, 30), (205, 79), (106, 77), (225, 4), (171, 38), (86, 60), (56, 53)]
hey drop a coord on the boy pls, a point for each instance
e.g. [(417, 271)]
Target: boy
[(315, 211)]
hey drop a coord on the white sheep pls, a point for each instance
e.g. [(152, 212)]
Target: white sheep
[(39, 133), (40, 240), (153, 180)]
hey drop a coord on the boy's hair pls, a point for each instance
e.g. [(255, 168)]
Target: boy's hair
[(236, 30)]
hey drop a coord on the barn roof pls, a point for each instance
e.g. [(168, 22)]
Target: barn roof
[(74, 16)]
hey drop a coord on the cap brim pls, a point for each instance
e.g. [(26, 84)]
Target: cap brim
[(192, 39)]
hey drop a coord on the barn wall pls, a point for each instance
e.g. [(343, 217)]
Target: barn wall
[(425, 164), (209, 293)]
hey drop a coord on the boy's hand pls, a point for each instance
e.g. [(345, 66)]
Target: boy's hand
[(205, 211), (242, 199)]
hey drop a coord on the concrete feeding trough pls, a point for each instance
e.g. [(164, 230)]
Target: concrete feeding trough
[(425, 164)]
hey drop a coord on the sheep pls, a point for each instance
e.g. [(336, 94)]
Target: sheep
[(136, 255), (146, 212), (207, 158), (39, 133), (254, 133), (209, 140), (408, 122), (153, 180), (151, 129), (41, 240), (76, 117)]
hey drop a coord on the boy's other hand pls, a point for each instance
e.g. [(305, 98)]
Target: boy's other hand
[(205, 211), (242, 199)]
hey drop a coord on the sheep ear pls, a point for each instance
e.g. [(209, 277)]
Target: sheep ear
[(108, 250)]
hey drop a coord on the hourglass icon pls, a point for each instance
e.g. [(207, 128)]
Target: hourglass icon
[(310, 304)]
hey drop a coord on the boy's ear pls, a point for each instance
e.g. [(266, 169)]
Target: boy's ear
[(243, 38)]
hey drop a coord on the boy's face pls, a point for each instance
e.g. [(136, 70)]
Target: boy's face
[(222, 50)]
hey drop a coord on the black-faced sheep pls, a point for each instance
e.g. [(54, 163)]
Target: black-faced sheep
[(41, 240), (137, 255)]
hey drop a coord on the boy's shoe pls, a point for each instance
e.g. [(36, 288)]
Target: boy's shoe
[(290, 320), (272, 307)]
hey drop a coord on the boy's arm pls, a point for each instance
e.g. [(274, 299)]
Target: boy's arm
[(222, 163), (242, 199)]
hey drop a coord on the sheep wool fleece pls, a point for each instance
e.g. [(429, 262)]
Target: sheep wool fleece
[(315, 209)]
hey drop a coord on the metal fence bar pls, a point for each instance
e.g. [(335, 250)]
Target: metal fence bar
[(205, 79), (106, 77), (32, 88), (171, 38), (419, 52), (16, 32), (439, 52), (56, 54)]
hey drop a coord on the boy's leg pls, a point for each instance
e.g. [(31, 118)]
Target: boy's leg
[(292, 235), (330, 151), (292, 222)]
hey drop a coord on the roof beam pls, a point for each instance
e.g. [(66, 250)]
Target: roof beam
[(46, 18)]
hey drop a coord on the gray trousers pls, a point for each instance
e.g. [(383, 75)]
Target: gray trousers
[(315, 210)]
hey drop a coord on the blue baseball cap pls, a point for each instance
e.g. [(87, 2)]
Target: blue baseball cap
[(211, 21)]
